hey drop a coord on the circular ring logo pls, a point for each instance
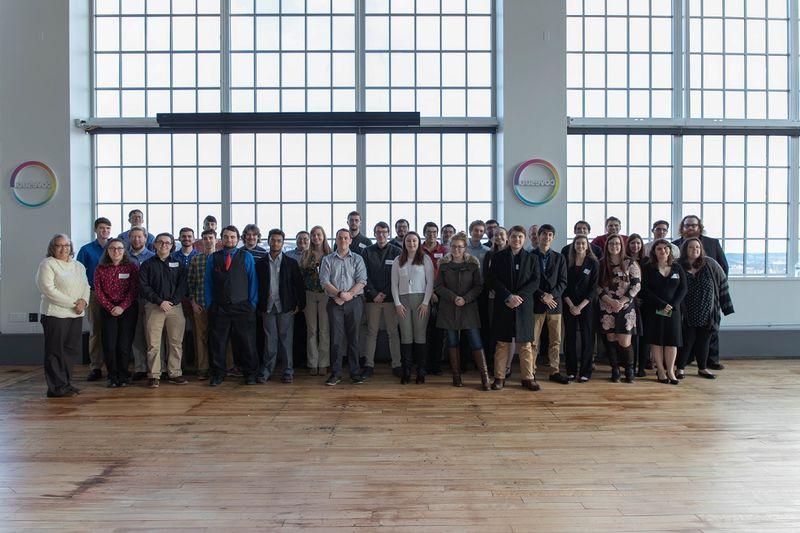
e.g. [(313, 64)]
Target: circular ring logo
[(536, 182), (33, 184)]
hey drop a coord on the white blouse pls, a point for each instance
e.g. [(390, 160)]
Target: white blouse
[(61, 283), (412, 279)]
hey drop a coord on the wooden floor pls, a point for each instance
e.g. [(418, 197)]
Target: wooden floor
[(718, 455)]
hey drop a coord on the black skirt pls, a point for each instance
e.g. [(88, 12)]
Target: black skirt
[(663, 330)]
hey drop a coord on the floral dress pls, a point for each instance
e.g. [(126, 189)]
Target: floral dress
[(626, 282)]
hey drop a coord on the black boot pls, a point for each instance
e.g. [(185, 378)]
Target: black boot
[(626, 354), (420, 359), (613, 359), (480, 362), (455, 365), (405, 363)]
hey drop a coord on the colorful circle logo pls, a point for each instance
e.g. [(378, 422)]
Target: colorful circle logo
[(536, 182), (33, 184)]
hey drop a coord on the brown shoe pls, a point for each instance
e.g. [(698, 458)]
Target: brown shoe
[(530, 384), (498, 384), (178, 380), (152, 383)]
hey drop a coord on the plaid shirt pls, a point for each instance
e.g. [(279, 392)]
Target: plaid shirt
[(197, 276)]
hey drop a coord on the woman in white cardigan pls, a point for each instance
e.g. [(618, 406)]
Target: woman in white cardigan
[(412, 286), (65, 294)]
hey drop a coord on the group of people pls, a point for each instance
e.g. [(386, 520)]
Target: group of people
[(656, 304)]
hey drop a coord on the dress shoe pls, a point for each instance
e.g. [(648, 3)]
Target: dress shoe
[(216, 381), (713, 365), (706, 375), (530, 384), (680, 374), (250, 380), (367, 372), (95, 375), (65, 394), (498, 384), (559, 378), (235, 372)]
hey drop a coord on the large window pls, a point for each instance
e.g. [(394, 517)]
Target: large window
[(734, 62), (432, 56)]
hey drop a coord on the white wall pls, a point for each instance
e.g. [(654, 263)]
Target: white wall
[(35, 124)]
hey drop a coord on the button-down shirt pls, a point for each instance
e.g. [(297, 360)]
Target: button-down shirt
[(295, 254), (184, 259), (196, 278), (142, 256), (162, 280), (358, 244), (274, 298), (342, 272), (89, 257), (544, 259)]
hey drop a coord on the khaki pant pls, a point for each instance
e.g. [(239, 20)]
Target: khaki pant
[(372, 312), (527, 359), (156, 321), (553, 334), (95, 345), (318, 328), (413, 328), (201, 339)]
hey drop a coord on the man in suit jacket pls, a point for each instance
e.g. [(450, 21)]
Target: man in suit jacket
[(281, 295), (514, 277), (547, 305), (692, 226)]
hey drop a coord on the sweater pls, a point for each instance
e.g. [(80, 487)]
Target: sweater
[(61, 283)]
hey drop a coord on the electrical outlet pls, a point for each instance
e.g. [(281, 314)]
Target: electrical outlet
[(17, 317), (33, 317)]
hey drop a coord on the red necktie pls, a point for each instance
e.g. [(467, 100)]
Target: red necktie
[(227, 262)]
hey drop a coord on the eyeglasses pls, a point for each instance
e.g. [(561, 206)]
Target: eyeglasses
[(116, 249), (61, 245), (164, 243), (691, 225)]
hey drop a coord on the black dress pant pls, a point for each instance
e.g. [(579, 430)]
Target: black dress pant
[(696, 342), (62, 345), (713, 347), (236, 322), (579, 362), (117, 334)]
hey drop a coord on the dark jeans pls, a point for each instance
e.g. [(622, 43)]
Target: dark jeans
[(62, 345), (696, 342), (116, 334), (236, 322), (279, 333), (579, 362), (345, 323), (472, 335)]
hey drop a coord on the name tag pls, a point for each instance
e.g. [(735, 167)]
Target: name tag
[(675, 276), (438, 256), (516, 267), (125, 275), (362, 245), (174, 265), (389, 262), (586, 271)]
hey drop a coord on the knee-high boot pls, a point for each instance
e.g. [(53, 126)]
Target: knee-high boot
[(455, 365), (480, 363), (613, 358), (405, 363), (420, 359), (626, 354)]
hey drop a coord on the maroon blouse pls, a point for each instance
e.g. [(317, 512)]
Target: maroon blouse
[(116, 285)]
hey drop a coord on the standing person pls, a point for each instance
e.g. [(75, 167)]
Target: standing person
[(196, 277), (186, 252), (660, 230), (163, 286), (635, 249), (582, 227), (358, 241), (448, 230), (514, 277), (210, 222), (533, 237), (139, 253), (343, 276), (89, 256), (459, 285), (378, 260), (231, 294), (475, 248), (547, 299), (412, 288), (401, 227), (136, 220), (692, 226), (435, 252), (663, 287), (281, 295), (582, 273), (491, 225), (65, 295), (251, 237), (302, 240), (707, 295), (499, 241), (613, 227), (117, 289), (619, 283), (319, 343)]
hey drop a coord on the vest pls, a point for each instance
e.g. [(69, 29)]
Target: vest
[(230, 287)]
